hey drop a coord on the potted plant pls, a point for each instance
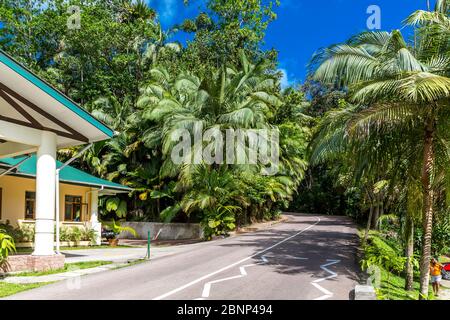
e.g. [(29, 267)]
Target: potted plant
[(113, 230)]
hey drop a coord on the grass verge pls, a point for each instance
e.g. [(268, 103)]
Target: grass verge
[(8, 289), (382, 254), (67, 267), (392, 287)]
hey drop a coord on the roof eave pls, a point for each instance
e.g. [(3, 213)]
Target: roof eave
[(54, 93)]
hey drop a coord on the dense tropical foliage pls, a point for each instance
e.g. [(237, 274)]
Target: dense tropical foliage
[(121, 66), (367, 135), (395, 124)]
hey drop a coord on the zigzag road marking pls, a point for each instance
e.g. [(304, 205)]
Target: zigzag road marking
[(207, 286), (243, 271), (201, 279), (326, 294)]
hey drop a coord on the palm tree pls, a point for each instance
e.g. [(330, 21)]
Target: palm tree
[(228, 99), (215, 193), (400, 87), (244, 98), (159, 45)]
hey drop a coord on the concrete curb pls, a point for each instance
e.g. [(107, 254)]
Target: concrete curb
[(365, 293), (258, 227)]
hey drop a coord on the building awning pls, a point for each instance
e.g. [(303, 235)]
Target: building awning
[(29, 105), (68, 175)]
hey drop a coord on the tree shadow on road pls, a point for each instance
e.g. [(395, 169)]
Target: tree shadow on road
[(334, 238)]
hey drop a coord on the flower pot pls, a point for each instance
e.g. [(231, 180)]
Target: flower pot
[(113, 242)]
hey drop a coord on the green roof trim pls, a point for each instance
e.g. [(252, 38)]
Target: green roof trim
[(57, 95), (68, 175)]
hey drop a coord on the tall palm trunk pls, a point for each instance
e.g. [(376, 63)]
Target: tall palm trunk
[(369, 220), (428, 201), (409, 237), (376, 214)]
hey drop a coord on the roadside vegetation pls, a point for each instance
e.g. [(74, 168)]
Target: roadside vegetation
[(384, 261), (67, 268), (367, 135), (143, 85), (8, 289)]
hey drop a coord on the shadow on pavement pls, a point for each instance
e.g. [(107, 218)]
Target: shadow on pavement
[(334, 238)]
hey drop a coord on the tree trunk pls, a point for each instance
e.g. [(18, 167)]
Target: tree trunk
[(428, 201), (409, 276), (376, 214), (369, 221)]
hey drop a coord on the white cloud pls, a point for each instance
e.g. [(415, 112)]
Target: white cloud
[(285, 81), (166, 9)]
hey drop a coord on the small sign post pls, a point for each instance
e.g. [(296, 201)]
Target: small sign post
[(148, 245)]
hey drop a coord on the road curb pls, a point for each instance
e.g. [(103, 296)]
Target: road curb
[(258, 227), (365, 293)]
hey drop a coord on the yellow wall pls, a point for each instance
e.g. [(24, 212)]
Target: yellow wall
[(13, 198)]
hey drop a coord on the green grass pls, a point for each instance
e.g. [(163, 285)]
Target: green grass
[(392, 285), (8, 289), (393, 288), (67, 267), (444, 259)]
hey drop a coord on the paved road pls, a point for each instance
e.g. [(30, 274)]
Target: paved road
[(306, 258)]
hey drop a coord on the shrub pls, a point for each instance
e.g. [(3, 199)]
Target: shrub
[(25, 233), (64, 234), (75, 234), (441, 237), (114, 228), (220, 221), (88, 234), (6, 246), (379, 253)]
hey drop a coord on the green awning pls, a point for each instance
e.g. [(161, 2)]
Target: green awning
[(67, 175)]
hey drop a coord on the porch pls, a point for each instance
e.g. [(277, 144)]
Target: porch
[(35, 118)]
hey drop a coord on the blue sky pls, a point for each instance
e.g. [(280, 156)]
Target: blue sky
[(303, 26)]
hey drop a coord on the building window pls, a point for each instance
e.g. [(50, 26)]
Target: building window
[(73, 207), (30, 205)]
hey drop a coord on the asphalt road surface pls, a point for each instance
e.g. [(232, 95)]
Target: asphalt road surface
[(305, 258)]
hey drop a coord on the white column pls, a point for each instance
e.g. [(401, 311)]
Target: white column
[(95, 224), (45, 195)]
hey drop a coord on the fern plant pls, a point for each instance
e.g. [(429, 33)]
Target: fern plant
[(6, 246)]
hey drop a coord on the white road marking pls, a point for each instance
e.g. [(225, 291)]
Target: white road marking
[(207, 287), (326, 294), (170, 293)]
